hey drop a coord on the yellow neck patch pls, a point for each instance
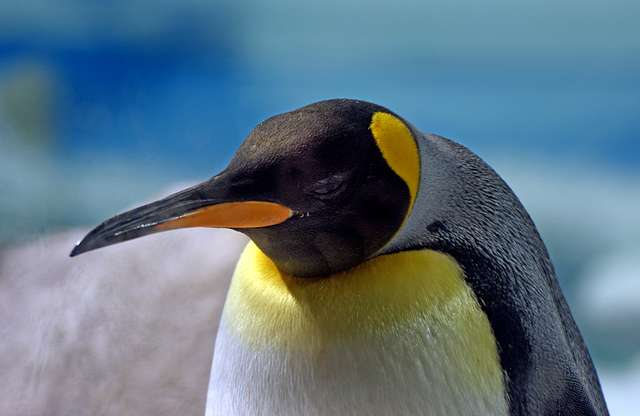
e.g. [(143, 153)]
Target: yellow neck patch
[(424, 290), (399, 149)]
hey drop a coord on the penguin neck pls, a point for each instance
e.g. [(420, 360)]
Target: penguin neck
[(270, 309)]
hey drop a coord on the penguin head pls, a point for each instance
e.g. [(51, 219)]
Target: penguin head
[(319, 190)]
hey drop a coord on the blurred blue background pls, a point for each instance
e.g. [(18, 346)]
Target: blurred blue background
[(102, 105)]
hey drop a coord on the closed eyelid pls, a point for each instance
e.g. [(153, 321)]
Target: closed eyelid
[(329, 185)]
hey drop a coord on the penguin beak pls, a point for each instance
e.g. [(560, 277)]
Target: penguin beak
[(204, 205)]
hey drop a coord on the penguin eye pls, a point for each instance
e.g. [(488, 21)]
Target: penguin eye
[(327, 187)]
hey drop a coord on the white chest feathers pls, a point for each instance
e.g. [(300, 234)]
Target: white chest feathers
[(401, 334)]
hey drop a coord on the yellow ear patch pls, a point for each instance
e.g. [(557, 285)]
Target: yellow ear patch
[(398, 148)]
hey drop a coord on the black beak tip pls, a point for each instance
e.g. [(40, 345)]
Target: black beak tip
[(90, 242), (78, 249), (98, 238)]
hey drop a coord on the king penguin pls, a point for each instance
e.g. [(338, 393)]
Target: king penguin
[(389, 272)]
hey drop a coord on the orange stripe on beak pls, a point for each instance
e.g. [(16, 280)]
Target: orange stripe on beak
[(248, 214)]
